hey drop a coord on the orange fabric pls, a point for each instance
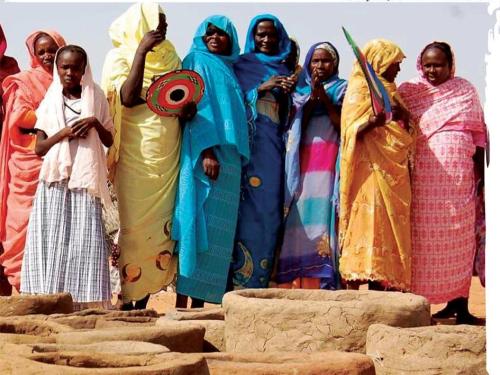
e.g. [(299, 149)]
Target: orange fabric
[(19, 165), (375, 193)]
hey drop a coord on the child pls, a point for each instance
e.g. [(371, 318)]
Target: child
[(65, 247)]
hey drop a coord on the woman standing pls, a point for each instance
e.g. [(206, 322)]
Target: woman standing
[(144, 159), (66, 249), (448, 168), (214, 146), (19, 165), (375, 192), (8, 66), (263, 74), (308, 256)]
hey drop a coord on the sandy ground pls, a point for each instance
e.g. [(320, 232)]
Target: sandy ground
[(165, 301)]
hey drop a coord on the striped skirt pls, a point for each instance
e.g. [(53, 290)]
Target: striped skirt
[(66, 249)]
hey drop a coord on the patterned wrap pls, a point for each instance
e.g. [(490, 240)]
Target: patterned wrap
[(450, 126)]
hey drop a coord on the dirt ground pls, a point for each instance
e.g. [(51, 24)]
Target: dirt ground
[(165, 301)]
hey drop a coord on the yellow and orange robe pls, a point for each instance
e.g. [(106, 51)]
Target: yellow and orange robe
[(144, 158), (375, 192)]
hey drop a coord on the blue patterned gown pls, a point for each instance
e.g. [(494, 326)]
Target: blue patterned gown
[(261, 207)]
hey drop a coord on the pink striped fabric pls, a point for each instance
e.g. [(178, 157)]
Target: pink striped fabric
[(313, 157)]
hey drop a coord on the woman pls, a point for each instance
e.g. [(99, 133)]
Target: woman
[(308, 255), (144, 159), (19, 165), (66, 249), (214, 146), (8, 66), (263, 73), (375, 193), (449, 151)]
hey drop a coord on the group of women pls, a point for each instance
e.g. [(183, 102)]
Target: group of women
[(279, 173)]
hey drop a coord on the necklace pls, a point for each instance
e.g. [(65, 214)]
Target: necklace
[(72, 109)]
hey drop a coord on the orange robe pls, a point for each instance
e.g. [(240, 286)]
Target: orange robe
[(19, 165)]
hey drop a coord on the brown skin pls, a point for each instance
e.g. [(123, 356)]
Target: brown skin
[(267, 42), (321, 67), (217, 41), (130, 91), (70, 68), (435, 66), (45, 52)]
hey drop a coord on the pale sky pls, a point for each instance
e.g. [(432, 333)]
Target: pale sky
[(464, 25), (411, 25)]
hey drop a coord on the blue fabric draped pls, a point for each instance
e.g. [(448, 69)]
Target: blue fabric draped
[(310, 225), (261, 206), (253, 68), (206, 211)]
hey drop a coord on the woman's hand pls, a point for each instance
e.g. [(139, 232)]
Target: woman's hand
[(210, 164), (81, 128), (400, 113), (188, 111), (150, 40), (318, 93), (376, 120), (281, 82)]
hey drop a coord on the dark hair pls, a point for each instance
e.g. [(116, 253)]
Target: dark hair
[(73, 48), (443, 47)]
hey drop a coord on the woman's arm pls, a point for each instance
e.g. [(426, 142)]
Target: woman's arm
[(130, 91), (44, 144), (373, 121), (479, 166), (82, 127)]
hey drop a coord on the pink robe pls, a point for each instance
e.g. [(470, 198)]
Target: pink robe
[(450, 125), (19, 165)]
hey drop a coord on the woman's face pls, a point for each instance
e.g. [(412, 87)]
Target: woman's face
[(322, 62), (45, 51), (70, 68), (392, 72), (217, 40), (436, 67), (266, 38)]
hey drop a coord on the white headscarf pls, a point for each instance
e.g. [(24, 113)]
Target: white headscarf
[(88, 168)]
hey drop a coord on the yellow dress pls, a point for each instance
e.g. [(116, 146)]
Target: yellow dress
[(375, 193), (144, 159)]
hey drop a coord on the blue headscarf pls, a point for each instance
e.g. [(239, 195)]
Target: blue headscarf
[(335, 88), (223, 23), (253, 68), (220, 121)]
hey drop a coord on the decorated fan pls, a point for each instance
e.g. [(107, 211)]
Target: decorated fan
[(169, 93)]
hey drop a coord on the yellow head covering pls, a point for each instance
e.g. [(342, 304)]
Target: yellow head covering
[(126, 33), (374, 181)]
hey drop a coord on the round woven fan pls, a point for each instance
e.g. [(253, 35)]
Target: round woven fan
[(169, 93)]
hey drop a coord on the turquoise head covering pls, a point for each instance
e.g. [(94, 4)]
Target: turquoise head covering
[(220, 124), (223, 23)]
